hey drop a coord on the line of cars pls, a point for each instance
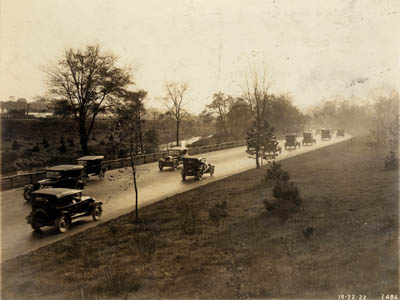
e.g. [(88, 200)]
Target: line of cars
[(57, 199), (291, 142), (191, 166)]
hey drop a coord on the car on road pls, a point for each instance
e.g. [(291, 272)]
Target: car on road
[(308, 139), (291, 142), (173, 158), (193, 166), (271, 149), (61, 176), (58, 207), (92, 165), (325, 135), (340, 132)]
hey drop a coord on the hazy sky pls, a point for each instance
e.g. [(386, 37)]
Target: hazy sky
[(317, 49)]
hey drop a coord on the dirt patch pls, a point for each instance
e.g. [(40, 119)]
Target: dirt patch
[(349, 200)]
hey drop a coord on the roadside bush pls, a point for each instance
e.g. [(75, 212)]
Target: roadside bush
[(102, 143), (217, 212), (275, 174), (391, 161), (36, 148), (286, 195)]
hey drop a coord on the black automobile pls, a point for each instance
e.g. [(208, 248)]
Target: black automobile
[(173, 158), (193, 166), (308, 139), (58, 207), (340, 133), (93, 165), (291, 142), (62, 176), (325, 135)]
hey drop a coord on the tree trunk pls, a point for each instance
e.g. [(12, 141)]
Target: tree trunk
[(140, 134), (83, 134), (177, 133), (134, 181)]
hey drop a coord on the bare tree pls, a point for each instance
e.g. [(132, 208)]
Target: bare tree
[(255, 93), (220, 106), (175, 103), (126, 112), (85, 80)]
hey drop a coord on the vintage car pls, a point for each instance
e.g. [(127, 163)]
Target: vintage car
[(173, 158), (193, 166), (340, 132), (308, 139), (325, 135), (272, 149), (58, 207), (62, 176), (93, 165), (291, 142)]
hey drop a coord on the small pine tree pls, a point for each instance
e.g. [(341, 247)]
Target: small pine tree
[(286, 194), (261, 140)]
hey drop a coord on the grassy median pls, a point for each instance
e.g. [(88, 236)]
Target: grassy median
[(177, 251)]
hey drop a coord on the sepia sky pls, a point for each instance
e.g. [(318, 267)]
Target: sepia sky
[(316, 49)]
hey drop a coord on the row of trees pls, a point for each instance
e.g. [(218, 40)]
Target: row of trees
[(85, 83)]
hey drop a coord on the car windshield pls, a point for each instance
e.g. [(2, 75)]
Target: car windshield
[(53, 174)]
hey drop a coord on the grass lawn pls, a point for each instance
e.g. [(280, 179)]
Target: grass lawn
[(178, 252)]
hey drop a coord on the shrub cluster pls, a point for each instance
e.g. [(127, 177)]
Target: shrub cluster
[(275, 174), (286, 194)]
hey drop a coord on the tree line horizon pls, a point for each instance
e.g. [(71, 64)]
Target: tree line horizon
[(86, 82)]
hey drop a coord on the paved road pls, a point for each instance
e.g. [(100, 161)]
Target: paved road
[(117, 195)]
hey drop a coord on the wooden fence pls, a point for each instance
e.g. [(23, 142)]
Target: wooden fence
[(11, 182)]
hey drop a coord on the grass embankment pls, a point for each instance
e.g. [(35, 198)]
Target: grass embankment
[(349, 200)]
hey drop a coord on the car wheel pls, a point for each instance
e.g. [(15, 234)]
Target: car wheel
[(28, 195), (160, 167), (102, 173), (199, 175), (96, 212), (39, 217), (63, 223), (183, 176)]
